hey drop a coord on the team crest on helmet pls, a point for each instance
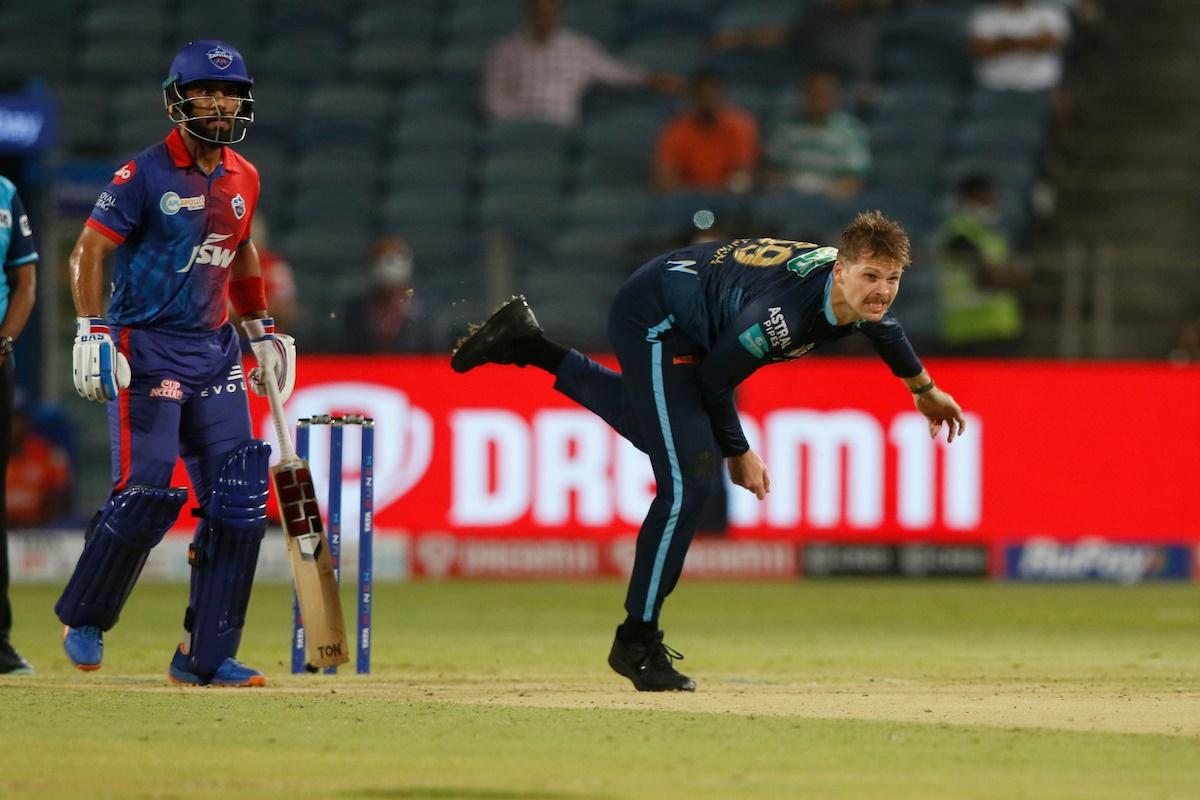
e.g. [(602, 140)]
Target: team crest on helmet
[(220, 57), (239, 206)]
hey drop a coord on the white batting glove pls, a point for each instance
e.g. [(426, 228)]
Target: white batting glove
[(276, 355), (99, 369)]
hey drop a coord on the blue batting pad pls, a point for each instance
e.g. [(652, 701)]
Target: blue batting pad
[(129, 525), (224, 555)]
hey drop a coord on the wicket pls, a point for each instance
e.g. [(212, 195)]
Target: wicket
[(366, 486)]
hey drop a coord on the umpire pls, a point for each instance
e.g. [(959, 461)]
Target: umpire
[(17, 292)]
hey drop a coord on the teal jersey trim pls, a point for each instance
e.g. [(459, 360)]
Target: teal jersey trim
[(754, 341), (830, 317), (664, 422), (10, 227)]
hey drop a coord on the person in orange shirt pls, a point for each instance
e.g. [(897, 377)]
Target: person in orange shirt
[(713, 146), (39, 476)]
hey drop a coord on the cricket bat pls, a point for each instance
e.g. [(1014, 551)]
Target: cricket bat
[(312, 568)]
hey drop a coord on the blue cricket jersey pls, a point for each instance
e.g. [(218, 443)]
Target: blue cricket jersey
[(751, 302), (178, 231), (16, 237)]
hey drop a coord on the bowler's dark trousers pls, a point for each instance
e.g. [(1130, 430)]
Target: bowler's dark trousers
[(655, 403)]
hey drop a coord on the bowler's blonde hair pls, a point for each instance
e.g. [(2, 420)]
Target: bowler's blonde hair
[(874, 236)]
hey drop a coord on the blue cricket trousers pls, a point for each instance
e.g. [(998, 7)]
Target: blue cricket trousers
[(187, 398)]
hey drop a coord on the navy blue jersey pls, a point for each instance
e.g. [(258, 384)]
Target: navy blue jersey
[(750, 302)]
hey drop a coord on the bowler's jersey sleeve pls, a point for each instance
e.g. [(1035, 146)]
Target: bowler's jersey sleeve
[(738, 351), (20, 246), (118, 209), (890, 342)]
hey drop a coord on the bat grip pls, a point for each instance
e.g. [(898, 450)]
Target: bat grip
[(287, 451)]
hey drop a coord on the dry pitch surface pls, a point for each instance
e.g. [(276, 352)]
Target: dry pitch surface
[(483, 690)]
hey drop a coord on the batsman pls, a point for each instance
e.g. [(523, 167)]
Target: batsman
[(166, 361)]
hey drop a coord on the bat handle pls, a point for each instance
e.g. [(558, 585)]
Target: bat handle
[(287, 452)]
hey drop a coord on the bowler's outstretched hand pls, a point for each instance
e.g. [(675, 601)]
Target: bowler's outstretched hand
[(939, 407)]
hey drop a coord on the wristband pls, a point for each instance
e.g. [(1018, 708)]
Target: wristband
[(258, 330), (923, 389), (91, 325), (248, 295)]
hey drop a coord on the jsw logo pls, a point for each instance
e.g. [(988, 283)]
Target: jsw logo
[(209, 253)]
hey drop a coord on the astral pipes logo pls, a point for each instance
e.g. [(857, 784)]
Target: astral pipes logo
[(399, 465)]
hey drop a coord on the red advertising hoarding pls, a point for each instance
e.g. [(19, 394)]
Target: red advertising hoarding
[(1059, 450)]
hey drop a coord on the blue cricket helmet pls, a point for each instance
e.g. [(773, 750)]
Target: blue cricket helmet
[(209, 60)]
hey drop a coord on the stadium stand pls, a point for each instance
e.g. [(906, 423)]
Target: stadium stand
[(368, 123)]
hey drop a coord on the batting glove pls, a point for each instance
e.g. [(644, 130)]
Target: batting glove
[(276, 355), (99, 369)]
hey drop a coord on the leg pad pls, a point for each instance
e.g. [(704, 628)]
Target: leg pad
[(224, 555), (118, 541)]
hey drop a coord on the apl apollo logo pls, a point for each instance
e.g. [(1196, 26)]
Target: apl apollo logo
[(399, 465)]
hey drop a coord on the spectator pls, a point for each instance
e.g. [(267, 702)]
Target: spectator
[(977, 278), (278, 278), (39, 477), (820, 149), (388, 318), (542, 73), (713, 146), (1018, 45)]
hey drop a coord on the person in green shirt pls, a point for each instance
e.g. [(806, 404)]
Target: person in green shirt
[(977, 279), (820, 149)]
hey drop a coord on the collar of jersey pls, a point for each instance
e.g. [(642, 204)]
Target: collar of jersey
[(830, 317), (183, 159)]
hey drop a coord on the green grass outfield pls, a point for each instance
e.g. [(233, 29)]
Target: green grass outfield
[(500, 690)]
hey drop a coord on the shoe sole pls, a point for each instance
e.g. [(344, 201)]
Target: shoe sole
[(641, 687), (20, 671), (253, 683), (463, 352)]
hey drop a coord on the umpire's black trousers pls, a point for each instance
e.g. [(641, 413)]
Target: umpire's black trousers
[(6, 411)]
